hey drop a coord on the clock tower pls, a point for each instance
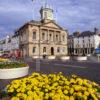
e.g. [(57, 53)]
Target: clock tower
[(46, 13)]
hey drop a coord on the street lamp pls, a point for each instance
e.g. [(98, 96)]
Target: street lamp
[(38, 60)]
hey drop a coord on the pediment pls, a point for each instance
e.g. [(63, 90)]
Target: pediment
[(52, 25)]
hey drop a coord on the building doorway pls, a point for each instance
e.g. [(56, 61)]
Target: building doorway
[(44, 52), (52, 51)]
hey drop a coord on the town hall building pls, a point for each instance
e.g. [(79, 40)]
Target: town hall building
[(44, 37)]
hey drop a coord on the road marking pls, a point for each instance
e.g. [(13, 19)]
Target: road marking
[(66, 65)]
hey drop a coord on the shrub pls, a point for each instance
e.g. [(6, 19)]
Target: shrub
[(6, 63), (53, 87)]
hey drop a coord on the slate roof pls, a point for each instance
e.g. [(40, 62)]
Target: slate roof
[(86, 33), (83, 34), (38, 23), (70, 36), (35, 22)]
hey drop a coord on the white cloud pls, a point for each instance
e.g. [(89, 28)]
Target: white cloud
[(72, 14)]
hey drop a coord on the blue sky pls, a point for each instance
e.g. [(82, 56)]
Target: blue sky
[(73, 15)]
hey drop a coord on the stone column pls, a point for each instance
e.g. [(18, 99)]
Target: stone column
[(60, 36), (54, 36)]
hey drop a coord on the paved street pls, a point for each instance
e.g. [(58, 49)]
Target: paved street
[(88, 69)]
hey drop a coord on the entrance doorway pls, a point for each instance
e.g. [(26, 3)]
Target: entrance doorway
[(52, 51)]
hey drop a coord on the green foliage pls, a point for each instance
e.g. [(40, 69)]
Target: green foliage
[(8, 65)]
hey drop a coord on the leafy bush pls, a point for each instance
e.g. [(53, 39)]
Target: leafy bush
[(53, 87)]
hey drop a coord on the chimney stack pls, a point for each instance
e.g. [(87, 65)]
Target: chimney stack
[(96, 30), (76, 33)]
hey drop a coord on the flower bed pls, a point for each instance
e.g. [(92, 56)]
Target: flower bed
[(3, 60), (14, 72), (10, 69), (53, 87), (9, 65)]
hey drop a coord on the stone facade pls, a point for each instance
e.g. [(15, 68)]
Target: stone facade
[(45, 37)]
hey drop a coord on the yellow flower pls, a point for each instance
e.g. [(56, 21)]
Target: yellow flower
[(30, 93), (11, 90), (66, 98), (86, 93), (79, 94), (15, 98), (46, 96), (84, 88), (74, 76), (71, 98), (56, 97), (94, 96), (71, 91), (65, 92), (55, 86), (24, 96), (72, 81), (29, 98), (67, 82), (84, 97), (77, 87)]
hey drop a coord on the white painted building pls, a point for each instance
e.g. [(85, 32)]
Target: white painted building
[(83, 43), (1, 45), (86, 42), (5, 44), (15, 44), (10, 44)]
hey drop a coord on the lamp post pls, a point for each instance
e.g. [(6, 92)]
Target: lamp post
[(37, 60)]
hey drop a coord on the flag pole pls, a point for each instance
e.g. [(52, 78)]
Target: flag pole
[(33, 16)]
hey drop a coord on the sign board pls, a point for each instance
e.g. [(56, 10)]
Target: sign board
[(97, 50)]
